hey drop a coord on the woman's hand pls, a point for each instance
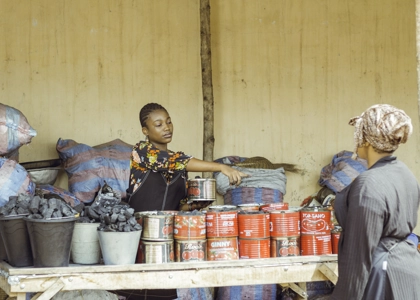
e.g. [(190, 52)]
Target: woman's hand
[(235, 176)]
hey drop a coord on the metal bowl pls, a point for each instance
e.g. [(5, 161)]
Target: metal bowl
[(43, 176), (44, 171)]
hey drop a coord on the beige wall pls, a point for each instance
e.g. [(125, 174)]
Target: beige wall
[(287, 74)]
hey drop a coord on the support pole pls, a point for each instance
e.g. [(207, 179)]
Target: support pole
[(207, 84)]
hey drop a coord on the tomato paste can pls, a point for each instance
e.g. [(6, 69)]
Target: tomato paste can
[(223, 223), (254, 248), (249, 207), (284, 223), (315, 220), (285, 246), (190, 226), (156, 252), (335, 237), (190, 250), (254, 225), (275, 206), (158, 226), (140, 215), (315, 244), (201, 189), (222, 248)]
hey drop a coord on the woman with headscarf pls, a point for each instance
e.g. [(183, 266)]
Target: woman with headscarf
[(378, 256)]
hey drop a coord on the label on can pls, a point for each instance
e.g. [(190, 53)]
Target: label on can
[(190, 250), (285, 246)]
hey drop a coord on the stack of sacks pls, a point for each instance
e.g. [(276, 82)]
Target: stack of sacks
[(15, 132), (263, 186)]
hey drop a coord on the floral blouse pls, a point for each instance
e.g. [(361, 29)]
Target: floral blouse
[(145, 157)]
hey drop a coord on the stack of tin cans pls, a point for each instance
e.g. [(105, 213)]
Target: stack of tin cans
[(254, 234), (157, 240), (190, 236), (222, 233)]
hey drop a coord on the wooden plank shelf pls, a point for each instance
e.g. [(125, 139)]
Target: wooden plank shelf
[(282, 270)]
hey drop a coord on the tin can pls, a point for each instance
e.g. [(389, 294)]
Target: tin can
[(188, 226), (285, 246), (275, 206), (335, 237), (254, 225), (157, 252), (222, 223), (319, 244), (191, 250), (222, 248), (254, 248), (315, 220), (284, 223), (201, 189), (158, 227), (249, 206)]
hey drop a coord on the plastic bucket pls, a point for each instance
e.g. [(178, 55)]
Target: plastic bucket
[(85, 247), (50, 241), (16, 241), (119, 248)]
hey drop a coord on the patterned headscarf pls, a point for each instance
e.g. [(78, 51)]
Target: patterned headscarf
[(383, 126)]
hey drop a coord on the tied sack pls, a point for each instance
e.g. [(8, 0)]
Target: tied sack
[(15, 130), (14, 180)]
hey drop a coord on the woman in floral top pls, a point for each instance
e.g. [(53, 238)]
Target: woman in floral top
[(158, 176)]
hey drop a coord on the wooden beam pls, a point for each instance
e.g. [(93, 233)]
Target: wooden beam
[(207, 84), (418, 52)]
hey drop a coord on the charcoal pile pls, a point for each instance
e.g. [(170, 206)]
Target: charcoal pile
[(17, 205), (53, 208), (36, 207), (119, 218), (108, 209), (102, 205)]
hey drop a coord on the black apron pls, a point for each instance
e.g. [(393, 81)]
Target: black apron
[(155, 193)]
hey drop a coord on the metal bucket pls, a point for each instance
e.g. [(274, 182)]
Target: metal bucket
[(201, 189)]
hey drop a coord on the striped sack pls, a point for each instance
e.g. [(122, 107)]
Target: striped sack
[(14, 180), (89, 167), (341, 171), (249, 292), (15, 130)]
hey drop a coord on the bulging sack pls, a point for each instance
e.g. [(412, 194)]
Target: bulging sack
[(14, 180), (15, 130)]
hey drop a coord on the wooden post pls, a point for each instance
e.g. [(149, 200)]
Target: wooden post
[(418, 51), (207, 84)]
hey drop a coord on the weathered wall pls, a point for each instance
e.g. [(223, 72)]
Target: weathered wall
[(287, 77)]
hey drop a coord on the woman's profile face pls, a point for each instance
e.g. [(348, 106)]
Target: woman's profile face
[(159, 128)]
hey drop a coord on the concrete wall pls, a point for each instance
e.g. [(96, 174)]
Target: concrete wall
[(287, 74)]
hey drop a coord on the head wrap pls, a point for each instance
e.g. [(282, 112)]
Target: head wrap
[(383, 126)]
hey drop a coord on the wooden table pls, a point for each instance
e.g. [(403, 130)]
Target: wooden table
[(287, 271)]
